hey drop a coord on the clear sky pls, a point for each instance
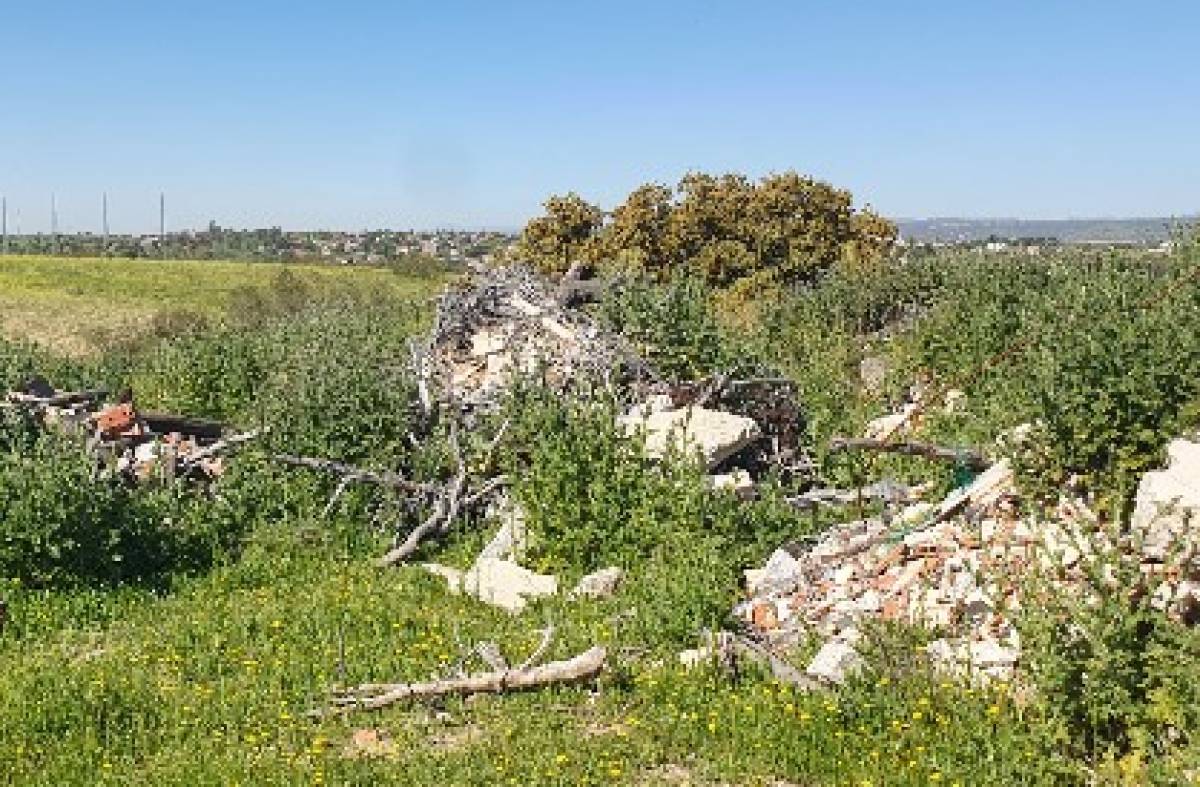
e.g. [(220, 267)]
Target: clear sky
[(450, 114)]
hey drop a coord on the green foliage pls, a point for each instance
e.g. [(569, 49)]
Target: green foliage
[(552, 242), (672, 325), (1116, 676), (62, 525), (786, 228), (593, 501)]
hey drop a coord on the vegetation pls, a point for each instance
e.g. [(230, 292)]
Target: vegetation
[(727, 230), (164, 635), (83, 306)]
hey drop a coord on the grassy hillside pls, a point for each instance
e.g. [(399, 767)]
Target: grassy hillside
[(77, 305), (251, 603)]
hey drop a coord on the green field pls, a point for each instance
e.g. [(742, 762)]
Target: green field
[(77, 305), (161, 635)]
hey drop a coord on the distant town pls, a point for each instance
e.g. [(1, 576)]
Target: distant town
[(454, 248), (366, 247)]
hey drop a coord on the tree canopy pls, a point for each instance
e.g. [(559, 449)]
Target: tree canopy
[(727, 228)]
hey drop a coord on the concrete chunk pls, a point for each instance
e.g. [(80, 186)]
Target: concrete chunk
[(834, 662), (504, 584), (713, 435), (600, 584)]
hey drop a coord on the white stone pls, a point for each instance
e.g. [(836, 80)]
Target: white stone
[(1167, 508), (834, 662), (993, 659), (504, 584), (781, 568), (714, 435), (739, 482), (600, 584)]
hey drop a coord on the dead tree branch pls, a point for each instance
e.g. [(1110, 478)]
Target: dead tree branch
[(968, 457), (583, 667)]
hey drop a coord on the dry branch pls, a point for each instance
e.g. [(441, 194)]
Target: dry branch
[(585, 666), (970, 458)]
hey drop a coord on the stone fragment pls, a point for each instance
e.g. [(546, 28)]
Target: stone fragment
[(505, 584), (834, 662), (600, 584), (713, 435), (369, 743), (739, 482), (780, 569)]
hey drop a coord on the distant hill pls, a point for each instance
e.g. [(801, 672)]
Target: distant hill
[(1141, 230)]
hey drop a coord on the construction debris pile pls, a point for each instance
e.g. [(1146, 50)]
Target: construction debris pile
[(505, 322), (960, 569), (132, 444)]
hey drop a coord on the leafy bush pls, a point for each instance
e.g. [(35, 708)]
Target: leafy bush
[(61, 524), (593, 501)]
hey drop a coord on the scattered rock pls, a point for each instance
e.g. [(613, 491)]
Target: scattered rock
[(600, 584), (369, 743), (739, 482)]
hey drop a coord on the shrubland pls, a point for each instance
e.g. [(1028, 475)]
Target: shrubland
[(176, 635)]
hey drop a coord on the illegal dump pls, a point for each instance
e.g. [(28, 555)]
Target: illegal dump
[(600, 496)]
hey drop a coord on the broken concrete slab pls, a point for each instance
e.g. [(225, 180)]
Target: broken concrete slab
[(505, 584), (1168, 500), (511, 540), (739, 482), (711, 434)]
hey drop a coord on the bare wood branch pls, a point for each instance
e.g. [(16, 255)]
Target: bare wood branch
[(970, 458), (583, 667), (220, 447)]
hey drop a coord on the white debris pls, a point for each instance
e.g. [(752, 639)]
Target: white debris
[(739, 482), (600, 584), (713, 434), (510, 541), (505, 584), (452, 576), (834, 662), (781, 568)]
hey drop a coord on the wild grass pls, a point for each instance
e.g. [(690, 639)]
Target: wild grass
[(81, 306), (202, 673)]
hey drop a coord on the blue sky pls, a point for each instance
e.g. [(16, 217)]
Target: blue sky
[(451, 114)]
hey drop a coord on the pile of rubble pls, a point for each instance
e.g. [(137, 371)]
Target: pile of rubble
[(960, 569), (501, 323), (135, 445)]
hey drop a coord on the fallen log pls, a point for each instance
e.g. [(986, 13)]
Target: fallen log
[(585, 666), (968, 457)]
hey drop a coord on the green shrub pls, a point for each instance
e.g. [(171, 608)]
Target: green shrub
[(63, 524)]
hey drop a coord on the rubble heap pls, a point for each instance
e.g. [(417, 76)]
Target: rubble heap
[(959, 568), (503, 322), (132, 444)]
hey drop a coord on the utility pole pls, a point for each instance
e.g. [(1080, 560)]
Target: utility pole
[(162, 223), (104, 225), (54, 223)]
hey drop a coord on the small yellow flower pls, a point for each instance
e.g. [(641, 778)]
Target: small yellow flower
[(917, 715), (994, 710), (561, 759)]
